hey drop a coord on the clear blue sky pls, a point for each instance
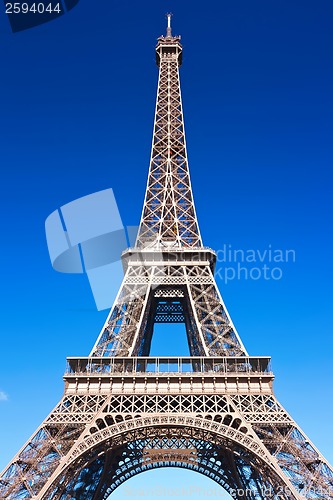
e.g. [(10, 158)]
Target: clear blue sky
[(77, 104)]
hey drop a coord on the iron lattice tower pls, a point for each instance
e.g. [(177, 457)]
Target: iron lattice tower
[(124, 412)]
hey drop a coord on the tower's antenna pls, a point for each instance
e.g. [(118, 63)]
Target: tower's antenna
[(168, 33)]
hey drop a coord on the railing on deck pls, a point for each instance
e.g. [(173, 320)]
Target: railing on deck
[(109, 366)]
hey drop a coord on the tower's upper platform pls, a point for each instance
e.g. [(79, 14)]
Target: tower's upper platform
[(168, 45)]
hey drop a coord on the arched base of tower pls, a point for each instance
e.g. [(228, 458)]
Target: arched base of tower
[(98, 471)]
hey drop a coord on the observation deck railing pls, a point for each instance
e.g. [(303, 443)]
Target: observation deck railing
[(185, 365), (168, 255)]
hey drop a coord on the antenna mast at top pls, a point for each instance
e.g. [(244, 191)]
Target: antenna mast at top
[(168, 33)]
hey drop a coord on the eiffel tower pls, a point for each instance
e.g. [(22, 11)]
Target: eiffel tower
[(123, 411)]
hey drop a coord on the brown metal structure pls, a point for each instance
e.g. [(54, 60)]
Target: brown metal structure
[(124, 412)]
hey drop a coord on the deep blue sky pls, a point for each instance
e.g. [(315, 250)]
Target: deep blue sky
[(77, 104)]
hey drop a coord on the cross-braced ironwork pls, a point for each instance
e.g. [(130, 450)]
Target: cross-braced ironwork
[(124, 412)]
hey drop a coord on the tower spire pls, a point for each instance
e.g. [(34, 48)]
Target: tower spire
[(168, 217), (168, 33)]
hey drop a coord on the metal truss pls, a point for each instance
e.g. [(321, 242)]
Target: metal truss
[(124, 412), (186, 291), (224, 422), (168, 217)]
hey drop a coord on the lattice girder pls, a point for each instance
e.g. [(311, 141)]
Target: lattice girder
[(168, 215), (129, 328), (97, 418), (111, 422), (147, 448)]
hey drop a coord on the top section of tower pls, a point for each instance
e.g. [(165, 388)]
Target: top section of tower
[(168, 46), (168, 217)]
